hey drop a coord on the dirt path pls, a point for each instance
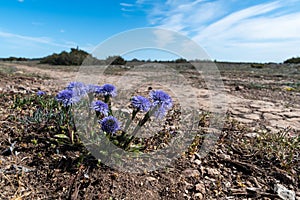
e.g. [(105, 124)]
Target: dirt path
[(274, 116)]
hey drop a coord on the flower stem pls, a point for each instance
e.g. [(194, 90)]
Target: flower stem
[(108, 102), (139, 126)]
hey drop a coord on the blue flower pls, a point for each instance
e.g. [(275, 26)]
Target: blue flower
[(91, 88), (40, 93), (140, 103), (100, 106), (110, 124), (78, 88), (67, 97), (161, 101), (73, 85), (108, 90)]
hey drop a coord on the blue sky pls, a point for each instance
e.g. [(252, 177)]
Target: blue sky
[(229, 30)]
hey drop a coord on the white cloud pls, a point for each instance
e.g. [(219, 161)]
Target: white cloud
[(237, 18), (37, 40), (126, 10), (139, 2), (28, 38), (163, 38), (28, 46), (126, 4), (21, 1), (232, 31)]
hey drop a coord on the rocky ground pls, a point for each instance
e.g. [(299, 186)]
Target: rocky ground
[(255, 157)]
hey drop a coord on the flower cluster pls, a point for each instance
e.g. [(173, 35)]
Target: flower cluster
[(157, 105), (110, 125), (140, 103), (76, 90), (107, 90), (161, 101), (100, 107), (67, 97)]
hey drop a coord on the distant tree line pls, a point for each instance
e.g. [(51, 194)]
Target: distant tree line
[(77, 57), (179, 60), (14, 59), (292, 60)]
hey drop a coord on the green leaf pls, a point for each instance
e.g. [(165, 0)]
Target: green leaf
[(61, 136)]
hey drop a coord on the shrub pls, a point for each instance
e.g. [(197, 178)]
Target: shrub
[(292, 60), (257, 65), (75, 57), (115, 60), (181, 60)]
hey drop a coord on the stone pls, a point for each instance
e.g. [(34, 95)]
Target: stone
[(200, 187), (284, 193), (243, 109), (197, 162), (235, 112), (19, 72), (252, 116), (278, 123), (251, 135), (254, 105), (239, 87), (212, 172), (291, 114), (199, 196), (191, 173), (243, 120), (270, 116), (149, 178), (276, 109)]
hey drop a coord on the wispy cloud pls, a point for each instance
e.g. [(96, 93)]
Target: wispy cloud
[(163, 38), (127, 10), (126, 4), (28, 38), (39, 40), (233, 31), (28, 46), (20, 1)]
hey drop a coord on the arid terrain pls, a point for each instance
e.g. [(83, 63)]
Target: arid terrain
[(256, 153)]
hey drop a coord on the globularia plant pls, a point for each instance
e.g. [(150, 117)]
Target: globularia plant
[(99, 100)]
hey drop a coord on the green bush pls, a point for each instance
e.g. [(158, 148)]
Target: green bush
[(115, 60), (75, 57), (257, 65), (181, 60), (293, 60)]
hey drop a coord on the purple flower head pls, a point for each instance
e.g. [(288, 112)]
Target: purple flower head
[(67, 97), (91, 88), (110, 124), (41, 93), (108, 90), (100, 106), (140, 103), (162, 101), (78, 88), (75, 85)]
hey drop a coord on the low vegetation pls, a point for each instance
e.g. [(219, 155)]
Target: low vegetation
[(75, 57), (294, 60)]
